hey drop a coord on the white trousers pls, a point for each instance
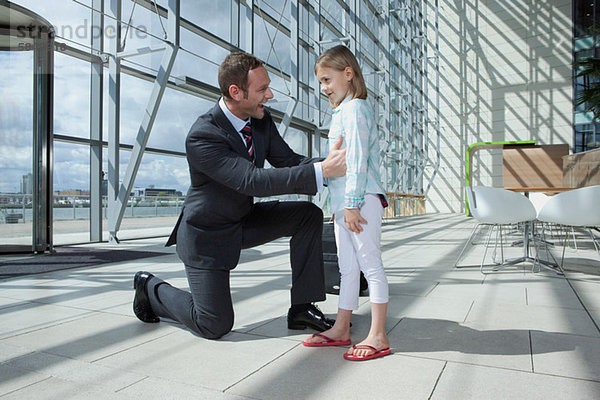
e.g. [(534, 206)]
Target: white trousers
[(361, 252)]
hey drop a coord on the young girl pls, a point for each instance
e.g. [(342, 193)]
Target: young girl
[(357, 201)]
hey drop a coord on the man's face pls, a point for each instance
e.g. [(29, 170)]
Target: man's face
[(251, 103)]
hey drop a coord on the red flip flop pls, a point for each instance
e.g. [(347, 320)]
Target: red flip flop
[(376, 353), (327, 341)]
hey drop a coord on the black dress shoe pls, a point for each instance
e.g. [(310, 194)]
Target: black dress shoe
[(141, 304), (312, 317)]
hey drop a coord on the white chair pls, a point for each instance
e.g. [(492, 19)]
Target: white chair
[(497, 207), (538, 199), (575, 208)]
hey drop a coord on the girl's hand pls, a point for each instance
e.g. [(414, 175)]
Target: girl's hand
[(353, 219)]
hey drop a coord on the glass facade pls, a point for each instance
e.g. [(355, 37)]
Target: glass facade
[(103, 96), (586, 37)]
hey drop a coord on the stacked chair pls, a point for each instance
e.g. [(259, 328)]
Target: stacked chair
[(498, 208), (579, 208)]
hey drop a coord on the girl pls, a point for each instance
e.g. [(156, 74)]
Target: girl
[(355, 199)]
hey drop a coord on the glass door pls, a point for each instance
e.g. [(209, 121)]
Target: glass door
[(16, 149), (26, 87)]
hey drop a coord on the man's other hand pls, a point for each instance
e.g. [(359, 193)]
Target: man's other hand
[(335, 163)]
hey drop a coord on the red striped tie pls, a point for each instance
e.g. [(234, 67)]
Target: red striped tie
[(247, 133)]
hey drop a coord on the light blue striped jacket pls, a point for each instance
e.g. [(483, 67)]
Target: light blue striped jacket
[(353, 119)]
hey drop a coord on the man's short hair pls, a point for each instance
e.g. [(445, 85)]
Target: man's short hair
[(234, 71)]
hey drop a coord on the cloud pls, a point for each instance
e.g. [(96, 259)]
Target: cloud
[(71, 96), (163, 172), (71, 166)]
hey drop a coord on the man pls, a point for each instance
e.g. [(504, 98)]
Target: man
[(226, 150)]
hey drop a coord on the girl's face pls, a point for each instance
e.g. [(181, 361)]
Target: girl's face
[(335, 84)]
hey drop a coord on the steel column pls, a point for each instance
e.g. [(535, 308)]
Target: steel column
[(96, 96), (114, 115)]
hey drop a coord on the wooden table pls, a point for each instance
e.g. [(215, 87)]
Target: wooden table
[(551, 191)]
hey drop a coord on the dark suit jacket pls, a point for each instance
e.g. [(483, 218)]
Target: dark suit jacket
[(224, 182)]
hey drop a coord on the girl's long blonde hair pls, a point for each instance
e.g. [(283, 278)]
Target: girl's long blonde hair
[(338, 58)]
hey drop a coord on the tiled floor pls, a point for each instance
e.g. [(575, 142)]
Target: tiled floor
[(455, 333)]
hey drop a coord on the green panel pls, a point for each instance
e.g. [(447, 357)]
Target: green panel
[(488, 144)]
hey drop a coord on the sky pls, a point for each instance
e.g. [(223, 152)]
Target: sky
[(177, 111)]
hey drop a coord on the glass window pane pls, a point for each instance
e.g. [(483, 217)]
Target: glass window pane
[(158, 192), (584, 16), (177, 112), (71, 206), (368, 45), (368, 17), (203, 63), (71, 21), (297, 140), (219, 23), (278, 54), (145, 28), (334, 13), (71, 96), (277, 9)]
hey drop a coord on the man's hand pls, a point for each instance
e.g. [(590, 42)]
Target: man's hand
[(353, 219), (335, 163)]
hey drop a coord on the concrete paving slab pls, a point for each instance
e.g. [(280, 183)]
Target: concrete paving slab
[(483, 291), (38, 289), (322, 373), (540, 295), (566, 355), (276, 328), (155, 388), (463, 381), (447, 274), (80, 372), (8, 302), (548, 319), (259, 309), (8, 352), (589, 294), (13, 379), (91, 337), (32, 316), (98, 300), (411, 287), (55, 388), (216, 364), (429, 307), (452, 341)]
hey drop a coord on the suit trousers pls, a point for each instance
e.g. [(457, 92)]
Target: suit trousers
[(208, 310)]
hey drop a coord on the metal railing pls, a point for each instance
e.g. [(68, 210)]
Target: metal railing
[(403, 204), (18, 208)]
